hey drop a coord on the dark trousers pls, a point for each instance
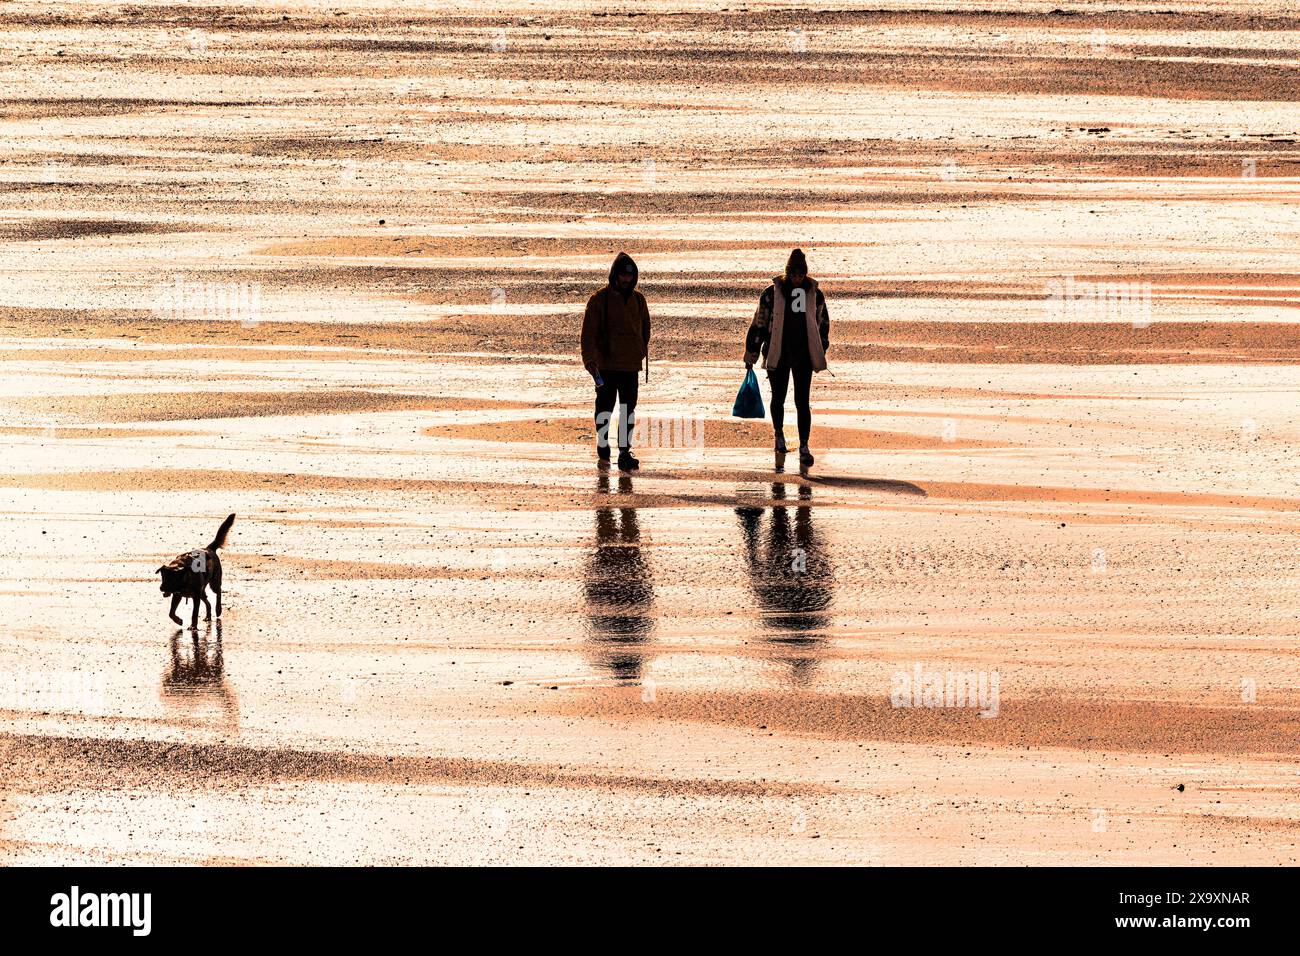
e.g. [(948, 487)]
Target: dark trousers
[(779, 379), (619, 389)]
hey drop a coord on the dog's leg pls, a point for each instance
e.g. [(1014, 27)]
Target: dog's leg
[(176, 600), (207, 608), (194, 618), (215, 583)]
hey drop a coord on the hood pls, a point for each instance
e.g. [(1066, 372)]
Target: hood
[(781, 282), (619, 261)]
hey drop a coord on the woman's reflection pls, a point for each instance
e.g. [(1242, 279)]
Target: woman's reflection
[(792, 578), (618, 589)]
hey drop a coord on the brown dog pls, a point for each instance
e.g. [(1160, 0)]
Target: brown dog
[(189, 575)]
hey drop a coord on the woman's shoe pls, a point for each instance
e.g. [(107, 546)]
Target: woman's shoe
[(805, 456), (780, 445)]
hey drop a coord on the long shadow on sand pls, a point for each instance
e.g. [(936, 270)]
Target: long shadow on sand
[(868, 484)]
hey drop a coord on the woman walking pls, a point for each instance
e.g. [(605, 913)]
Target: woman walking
[(791, 329)]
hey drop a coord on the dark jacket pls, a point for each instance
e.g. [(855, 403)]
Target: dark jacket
[(616, 328), (769, 330)]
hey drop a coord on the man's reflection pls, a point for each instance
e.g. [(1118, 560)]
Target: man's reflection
[(618, 589), (195, 680), (792, 578)]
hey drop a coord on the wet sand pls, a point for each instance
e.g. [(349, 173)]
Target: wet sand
[(325, 269)]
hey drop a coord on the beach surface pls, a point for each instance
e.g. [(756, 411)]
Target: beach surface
[(324, 267)]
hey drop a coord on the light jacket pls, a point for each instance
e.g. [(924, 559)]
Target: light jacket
[(768, 329)]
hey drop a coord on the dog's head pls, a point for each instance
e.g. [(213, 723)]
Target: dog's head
[(173, 580)]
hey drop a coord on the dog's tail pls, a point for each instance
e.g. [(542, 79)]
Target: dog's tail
[(224, 530)]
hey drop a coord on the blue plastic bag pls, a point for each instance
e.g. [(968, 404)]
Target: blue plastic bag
[(749, 400)]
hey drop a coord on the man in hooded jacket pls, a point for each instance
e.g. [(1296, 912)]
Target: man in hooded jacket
[(615, 344)]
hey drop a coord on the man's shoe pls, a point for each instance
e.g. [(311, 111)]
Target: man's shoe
[(805, 456), (626, 462), (780, 445)]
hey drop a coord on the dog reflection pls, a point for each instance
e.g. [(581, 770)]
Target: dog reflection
[(618, 589), (195, 680), (791, 577)]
